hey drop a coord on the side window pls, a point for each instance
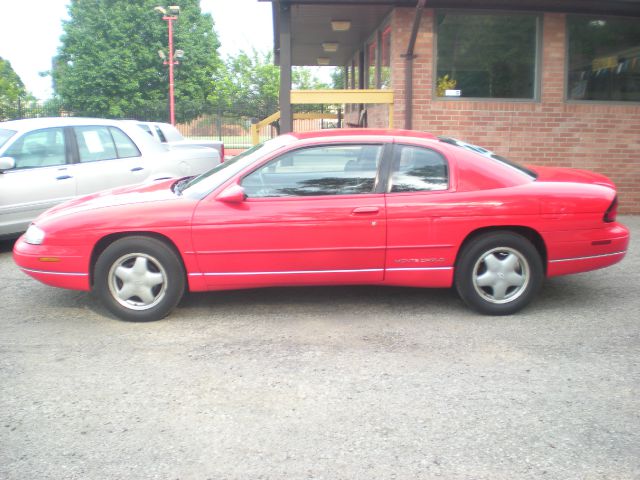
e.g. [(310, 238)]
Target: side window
[(95, 143), (417, 169), (124, 145), (40, 148), (161, 136), (323, 170), (146, 128)]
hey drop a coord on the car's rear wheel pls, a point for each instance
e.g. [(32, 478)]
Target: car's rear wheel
[(498, 273), (139, 279)]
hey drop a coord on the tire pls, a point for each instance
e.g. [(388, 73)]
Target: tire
[(139, 279), (498, 273)]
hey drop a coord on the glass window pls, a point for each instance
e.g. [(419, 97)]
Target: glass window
[(95, 143), (325, 170), (385, 67), (146, 128), (124, 145), (371, 65), (5, 135), (417, 169), (604, 58), (161, 136), (40, 148), (486, 55)]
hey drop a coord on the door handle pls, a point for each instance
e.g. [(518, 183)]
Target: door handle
[(64, 177), (137, 169), (365, 210)]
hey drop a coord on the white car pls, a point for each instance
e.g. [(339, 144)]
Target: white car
[(169, 134), (45, 161)]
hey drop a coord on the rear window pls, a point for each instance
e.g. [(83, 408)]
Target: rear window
[(488, 153), (5, 135)]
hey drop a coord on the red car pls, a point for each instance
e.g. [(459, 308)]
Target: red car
[(384, 207)]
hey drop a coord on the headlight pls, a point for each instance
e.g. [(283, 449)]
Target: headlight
[(34, 235)]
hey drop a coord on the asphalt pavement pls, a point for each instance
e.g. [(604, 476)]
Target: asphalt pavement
[(324, 383)]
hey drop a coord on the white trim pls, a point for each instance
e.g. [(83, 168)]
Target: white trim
[(418, 269), (588, 258), (46, 272), (293, 272), (315, 272)]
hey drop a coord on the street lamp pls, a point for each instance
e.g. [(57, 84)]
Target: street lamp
[(169, 17)]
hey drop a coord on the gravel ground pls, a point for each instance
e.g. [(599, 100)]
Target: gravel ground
[(324, 383)]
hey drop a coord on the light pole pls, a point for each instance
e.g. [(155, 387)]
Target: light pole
[(174, 10)]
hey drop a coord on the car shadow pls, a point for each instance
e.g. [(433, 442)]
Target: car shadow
[(6, 245)]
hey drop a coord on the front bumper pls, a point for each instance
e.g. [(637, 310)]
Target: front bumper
[(58, 266)]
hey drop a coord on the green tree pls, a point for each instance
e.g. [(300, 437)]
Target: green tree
[(250, 85), (11, 86), (108, 64), (338, 79)]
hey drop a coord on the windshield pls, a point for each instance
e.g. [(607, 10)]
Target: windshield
[(203, 184), (488, 153), (5, 135)]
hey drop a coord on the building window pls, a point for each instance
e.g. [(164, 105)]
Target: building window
[(604, 59), (385, 67), (486, 55), (371, 65)]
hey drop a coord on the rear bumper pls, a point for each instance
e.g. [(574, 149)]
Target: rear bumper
[(56, 266), (587, 250)]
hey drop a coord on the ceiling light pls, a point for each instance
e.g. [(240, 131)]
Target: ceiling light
[(330, 46), (340, 25), (323, 60)]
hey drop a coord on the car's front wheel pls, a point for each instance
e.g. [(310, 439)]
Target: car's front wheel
[(498, 273), (139, 278)]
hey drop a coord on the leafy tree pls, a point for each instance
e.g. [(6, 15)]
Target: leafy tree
[(108, 63), (250, 86), (338, 78), (11, 87), (13, 93)]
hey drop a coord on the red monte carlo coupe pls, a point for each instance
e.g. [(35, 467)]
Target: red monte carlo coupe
[(383, 207)]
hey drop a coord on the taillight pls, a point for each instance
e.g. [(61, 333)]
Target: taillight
[(612, 211), (221, 153)]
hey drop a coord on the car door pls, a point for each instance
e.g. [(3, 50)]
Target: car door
[(39, 180), (419, 196), (106, 158), (313, 215)]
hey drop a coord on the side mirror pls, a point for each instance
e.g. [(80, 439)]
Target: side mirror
[(232, 194), (7, 163)]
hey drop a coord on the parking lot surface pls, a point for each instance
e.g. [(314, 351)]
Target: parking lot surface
[(324, 383)]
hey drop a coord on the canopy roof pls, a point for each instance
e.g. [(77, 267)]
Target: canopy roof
[(311, 20)]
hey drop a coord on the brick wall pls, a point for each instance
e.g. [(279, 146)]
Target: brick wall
[(596, 136)]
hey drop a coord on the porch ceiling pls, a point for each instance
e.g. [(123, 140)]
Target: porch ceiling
[(311, 20)]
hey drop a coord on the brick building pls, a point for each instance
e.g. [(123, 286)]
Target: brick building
[(545, 82)]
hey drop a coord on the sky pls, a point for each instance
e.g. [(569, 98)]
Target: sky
[(30, 33)]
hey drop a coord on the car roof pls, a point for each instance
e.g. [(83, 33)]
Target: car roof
[(369, 132), (44, 122), (135, 133)]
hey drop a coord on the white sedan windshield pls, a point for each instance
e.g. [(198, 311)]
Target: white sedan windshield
[(5, 135)]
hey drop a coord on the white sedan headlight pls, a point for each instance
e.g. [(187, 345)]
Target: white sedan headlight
[(34, 235)]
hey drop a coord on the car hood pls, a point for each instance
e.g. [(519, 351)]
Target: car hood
[(121, 196), (556, 174)]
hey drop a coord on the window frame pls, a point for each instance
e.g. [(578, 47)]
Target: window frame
[(18, 137), (391, 166), (537, 72), (567, 65), (379, 182), (75, 147)]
